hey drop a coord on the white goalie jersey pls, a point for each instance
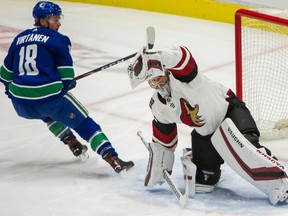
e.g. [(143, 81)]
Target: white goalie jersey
[(192, 99), (203, 104), (190, 92)]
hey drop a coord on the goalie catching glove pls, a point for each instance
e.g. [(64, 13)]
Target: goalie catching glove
[(160, 159), (145, 66)]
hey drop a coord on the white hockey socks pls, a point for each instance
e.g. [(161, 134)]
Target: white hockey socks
[(254, 165)]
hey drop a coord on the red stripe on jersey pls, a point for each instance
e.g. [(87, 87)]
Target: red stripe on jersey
[(165, 139), (185, 66)]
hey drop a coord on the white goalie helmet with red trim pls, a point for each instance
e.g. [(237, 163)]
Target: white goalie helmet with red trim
[(145, 66)]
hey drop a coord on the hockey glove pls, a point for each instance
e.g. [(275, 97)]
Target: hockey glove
[(155, 67), (70, 85), (144, 66)]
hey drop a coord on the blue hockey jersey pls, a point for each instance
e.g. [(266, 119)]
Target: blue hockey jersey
[(38, 67)]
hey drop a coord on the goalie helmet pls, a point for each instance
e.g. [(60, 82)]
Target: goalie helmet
[(144, 66), (45, 9)]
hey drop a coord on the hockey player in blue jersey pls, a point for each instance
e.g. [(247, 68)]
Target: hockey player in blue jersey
[(38, 74)]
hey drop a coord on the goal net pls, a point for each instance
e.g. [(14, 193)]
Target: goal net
[(261, 39)]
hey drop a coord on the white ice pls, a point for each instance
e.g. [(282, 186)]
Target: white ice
[(39, 175)]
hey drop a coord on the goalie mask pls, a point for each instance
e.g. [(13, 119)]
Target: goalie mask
[(145, 66)]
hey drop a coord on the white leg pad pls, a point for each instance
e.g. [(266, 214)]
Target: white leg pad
[(254, 165), (160, 159), (189, 170)]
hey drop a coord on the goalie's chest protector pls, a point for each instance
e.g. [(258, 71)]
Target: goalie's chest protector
[(201, 104)]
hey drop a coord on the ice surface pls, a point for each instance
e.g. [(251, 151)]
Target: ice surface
[(39, 175)]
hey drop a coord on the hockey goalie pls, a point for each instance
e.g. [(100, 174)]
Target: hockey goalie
[(222, 126)]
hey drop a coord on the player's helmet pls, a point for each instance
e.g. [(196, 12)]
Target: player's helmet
[(45, 9)]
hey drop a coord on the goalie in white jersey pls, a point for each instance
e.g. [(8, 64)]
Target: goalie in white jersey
[(183, 95)]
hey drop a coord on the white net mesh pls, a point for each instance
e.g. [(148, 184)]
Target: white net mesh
[(265, 73)]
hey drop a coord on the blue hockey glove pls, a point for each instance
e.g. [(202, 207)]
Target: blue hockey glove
[(72, 85)]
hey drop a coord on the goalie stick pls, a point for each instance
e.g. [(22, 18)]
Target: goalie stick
[(180, 197), (150, 39)]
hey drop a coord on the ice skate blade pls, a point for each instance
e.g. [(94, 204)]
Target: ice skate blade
[(84, 156), (127, 172)]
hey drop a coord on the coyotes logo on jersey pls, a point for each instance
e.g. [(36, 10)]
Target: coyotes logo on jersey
[(189, 114)]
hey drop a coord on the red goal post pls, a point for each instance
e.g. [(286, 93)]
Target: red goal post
[(261, 45)]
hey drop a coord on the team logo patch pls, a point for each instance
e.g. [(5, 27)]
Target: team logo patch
[(42, 5), (189, 114), (72, 115)]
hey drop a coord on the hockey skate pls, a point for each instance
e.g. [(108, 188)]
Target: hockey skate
[(117, 164), (79, 150), (76, 147)]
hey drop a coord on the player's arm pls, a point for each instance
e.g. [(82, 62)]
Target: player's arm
[(6, 70), (165, 134), (161, 151), (162, 147), (180, 62), (6, 75), (65, 64)]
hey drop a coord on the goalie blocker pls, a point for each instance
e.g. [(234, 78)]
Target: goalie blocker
[(253, 164)]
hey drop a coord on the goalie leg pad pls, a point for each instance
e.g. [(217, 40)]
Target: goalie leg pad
[(160, 158), (189, 170), (245, 123), (254, 165)]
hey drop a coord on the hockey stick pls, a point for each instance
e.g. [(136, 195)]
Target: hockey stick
[(150, 39), (104, 67), (180, 197)]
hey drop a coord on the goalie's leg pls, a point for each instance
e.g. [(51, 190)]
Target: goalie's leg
[(207, 160), (253, 164), (243, 120)]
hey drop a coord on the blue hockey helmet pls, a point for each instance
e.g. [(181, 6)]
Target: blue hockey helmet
[(45, 9)]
